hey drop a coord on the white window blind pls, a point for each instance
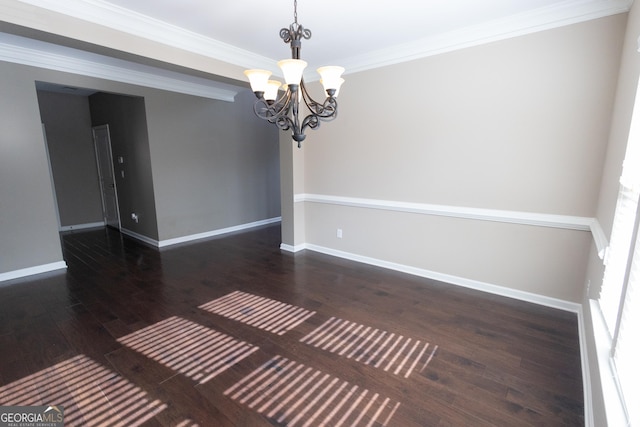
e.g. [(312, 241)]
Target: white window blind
[(619, 299), (627, 343), (617, 257)]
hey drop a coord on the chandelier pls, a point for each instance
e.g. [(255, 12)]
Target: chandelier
[(283, 110)]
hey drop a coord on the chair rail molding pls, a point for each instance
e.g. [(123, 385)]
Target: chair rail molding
[(568, 222)]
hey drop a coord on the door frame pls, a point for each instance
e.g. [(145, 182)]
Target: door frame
[(53, 184), (100, 173)]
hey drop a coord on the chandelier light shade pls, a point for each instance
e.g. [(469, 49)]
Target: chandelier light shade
[(280, 103)]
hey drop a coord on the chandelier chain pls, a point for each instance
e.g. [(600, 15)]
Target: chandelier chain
[(295, 11)]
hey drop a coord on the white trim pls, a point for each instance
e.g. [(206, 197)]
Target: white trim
[(455, 280), (158, 244), (515, 217), (140, 237), (291, 248), (38, 269), (614, 406), (586, 372), (565, 13), (241, 227), (545, 18), (121, 19), (599, 238), (82, 226), (35, 53), (53, 183)]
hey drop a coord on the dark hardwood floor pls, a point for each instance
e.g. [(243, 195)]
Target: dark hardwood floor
[(233, 332)]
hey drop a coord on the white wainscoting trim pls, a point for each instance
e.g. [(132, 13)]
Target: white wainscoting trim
[(212, 233), (455, 280), (599, 238), (517, 217), (526, 218), (38, 269), (513, 217)]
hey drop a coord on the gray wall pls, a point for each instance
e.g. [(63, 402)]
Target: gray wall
[(73, 160), (126, 117), (213, 164), (28, 225)]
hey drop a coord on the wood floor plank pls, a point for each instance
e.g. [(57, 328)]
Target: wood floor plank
[(489, 361)]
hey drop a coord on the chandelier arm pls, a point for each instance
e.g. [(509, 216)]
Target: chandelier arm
[(311, 121), (272, 111), (283, 113), (325, 111)]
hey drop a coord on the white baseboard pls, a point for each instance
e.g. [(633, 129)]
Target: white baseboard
[(290, 248), (38, 269), (213, 233), (82, 226), (454, 280), (198, 236), (140, 237)]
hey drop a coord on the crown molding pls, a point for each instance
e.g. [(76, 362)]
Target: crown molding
[(118, 18), (566, 13), (121, 19), (105, 14), (34, 53)]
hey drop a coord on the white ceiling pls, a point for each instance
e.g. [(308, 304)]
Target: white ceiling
[(341, 28), (344, 29)]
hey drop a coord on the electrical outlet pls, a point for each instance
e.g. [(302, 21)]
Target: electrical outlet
[(339, 233)]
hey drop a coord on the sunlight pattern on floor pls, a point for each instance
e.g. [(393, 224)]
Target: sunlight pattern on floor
[(91, 394), (196, 351), (292, 394), (260, 312), (381, 349)]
